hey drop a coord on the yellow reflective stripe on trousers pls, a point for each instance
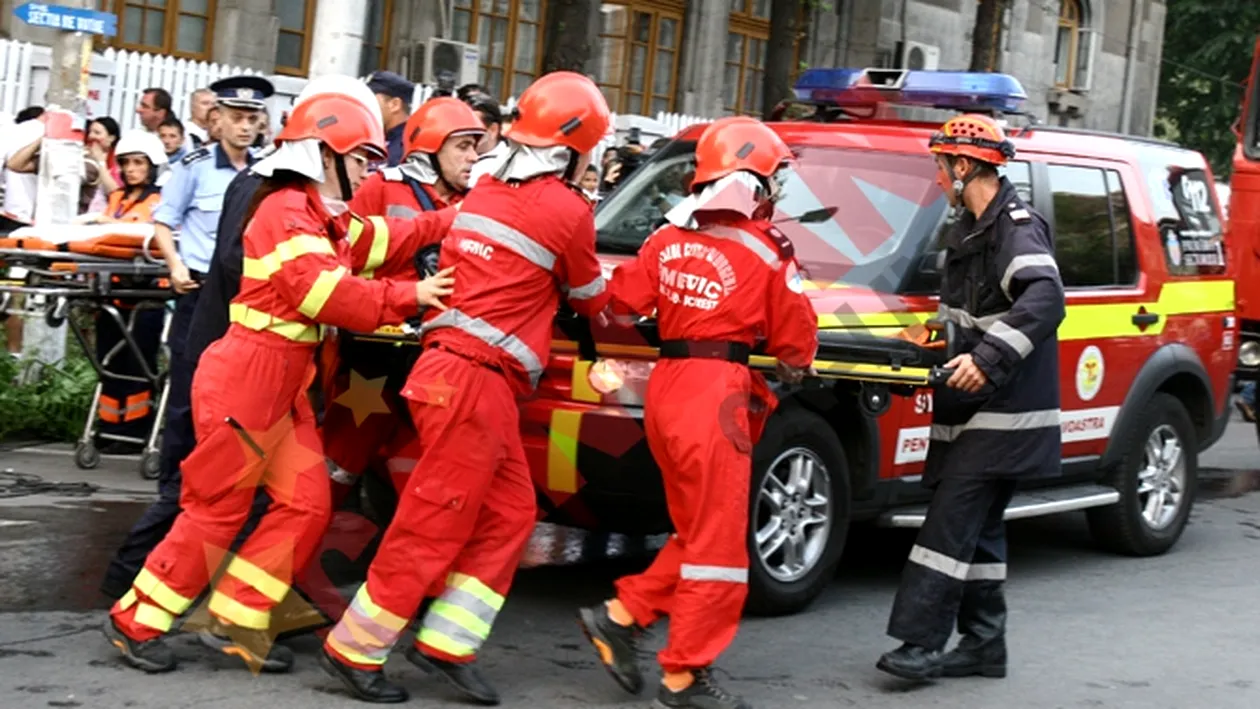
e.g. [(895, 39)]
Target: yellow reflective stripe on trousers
[(263, 267), (464, 582), (366, 632), (153, 617), (153, 588), (379, 249), (459, 621), (259, 321), (321, 290), (237, 613), (259, 580)]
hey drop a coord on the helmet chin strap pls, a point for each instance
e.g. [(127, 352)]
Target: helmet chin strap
[(437, 168), (960, 185), (343, 179)]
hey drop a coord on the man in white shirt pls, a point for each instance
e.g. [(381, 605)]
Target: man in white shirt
[(20, 186)]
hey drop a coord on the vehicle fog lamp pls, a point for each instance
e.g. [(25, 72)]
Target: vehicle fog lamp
[(1249, 354), (606, 376)]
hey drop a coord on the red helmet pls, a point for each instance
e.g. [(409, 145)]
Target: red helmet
[(339, 121), (561, 108), (975, 136), (738, 143), (438, 119)]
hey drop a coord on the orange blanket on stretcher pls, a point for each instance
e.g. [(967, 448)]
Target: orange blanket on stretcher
[(118, 246)]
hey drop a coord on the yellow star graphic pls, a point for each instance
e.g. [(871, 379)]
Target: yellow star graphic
[(363, 398)]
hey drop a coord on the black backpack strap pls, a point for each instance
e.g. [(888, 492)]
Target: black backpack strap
[(422, 197)]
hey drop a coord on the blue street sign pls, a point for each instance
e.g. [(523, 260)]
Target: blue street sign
[(70, 19)]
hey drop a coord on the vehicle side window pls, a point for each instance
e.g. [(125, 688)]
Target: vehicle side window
[(1092, 232)]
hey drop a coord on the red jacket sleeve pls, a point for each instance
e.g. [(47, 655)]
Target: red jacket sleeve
[(376, 241), (369, 199), (319, 285), (792, 324), (636, 284), (580, 271)]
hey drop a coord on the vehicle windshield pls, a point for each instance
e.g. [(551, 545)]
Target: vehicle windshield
[(887, 206)]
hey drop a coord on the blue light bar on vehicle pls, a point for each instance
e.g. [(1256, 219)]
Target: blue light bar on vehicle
[(937, 89)]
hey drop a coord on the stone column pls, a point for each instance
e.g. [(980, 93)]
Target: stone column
[(337, 39), (701, 72)]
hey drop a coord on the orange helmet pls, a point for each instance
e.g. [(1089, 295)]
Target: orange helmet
[(339, 121), (975, 136), (436, 120), (738, 143), (561, 108)]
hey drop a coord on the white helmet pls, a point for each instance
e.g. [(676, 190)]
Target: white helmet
[(342, 84), (143, 142)]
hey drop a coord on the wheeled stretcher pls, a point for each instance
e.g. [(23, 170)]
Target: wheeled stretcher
[(113, 270)]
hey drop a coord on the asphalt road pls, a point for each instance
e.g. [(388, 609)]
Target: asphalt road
[(1087, 629)]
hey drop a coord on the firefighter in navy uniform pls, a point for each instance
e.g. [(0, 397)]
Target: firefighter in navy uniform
[(996, 421)]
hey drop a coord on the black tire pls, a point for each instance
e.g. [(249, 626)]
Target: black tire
[(151, 464), (86, 456), (790, 428), (1121, 527)]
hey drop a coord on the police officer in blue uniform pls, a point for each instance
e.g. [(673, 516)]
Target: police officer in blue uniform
[(394, 93), (192, 200), (996, 420)]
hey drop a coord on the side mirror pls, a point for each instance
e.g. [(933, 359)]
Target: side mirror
[(930, 263), (812, 217)]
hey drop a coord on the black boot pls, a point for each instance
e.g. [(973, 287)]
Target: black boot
[(464, 677), (151, 655), (257, 648), (704, 693), (982, 623), (370, 686), (617, 646), (913, 662)]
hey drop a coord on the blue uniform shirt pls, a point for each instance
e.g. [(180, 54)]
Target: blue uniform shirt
[(192, 199), (394, 141)]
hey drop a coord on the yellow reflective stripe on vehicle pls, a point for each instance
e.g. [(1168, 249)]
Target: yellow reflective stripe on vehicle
[(259, 580), (153, 588), (823, 285), (1087, 321), (263, 267), (237, 613), (154, 617), (379, 249), (580, 387), (259, 321), (364, 604), (562, 447), (473, 585), (321, 290), (873, 320)]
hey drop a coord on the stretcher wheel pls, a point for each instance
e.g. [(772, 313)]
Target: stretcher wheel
[(56, 313), (86, 456), (150, 465), (874, 399)]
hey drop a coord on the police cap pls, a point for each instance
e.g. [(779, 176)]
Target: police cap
[(247, 92), (390, 84)]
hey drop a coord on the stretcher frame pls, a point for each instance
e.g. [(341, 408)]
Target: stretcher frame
[(69, 284)]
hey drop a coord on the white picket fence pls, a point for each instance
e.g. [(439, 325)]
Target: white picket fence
[(119, 78)]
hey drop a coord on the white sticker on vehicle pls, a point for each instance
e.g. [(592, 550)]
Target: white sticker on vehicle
[(1089, 373)]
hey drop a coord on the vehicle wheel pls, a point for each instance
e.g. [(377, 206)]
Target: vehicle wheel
[(151, 464), (1156, 478), (86, 456), (799, 512)]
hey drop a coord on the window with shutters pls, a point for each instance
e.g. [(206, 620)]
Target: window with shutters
[(509, 33), (746, 40), (639, 47), (181, 28), (375, 53), (293, 45)]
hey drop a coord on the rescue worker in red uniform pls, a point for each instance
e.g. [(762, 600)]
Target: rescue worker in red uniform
[(721, 281), (996, 420), (469, 507), (255, 425), (363, 414)]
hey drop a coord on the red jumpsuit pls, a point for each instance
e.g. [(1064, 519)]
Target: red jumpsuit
[(469, 507), (295, 277), (732, 282), (363, 415)]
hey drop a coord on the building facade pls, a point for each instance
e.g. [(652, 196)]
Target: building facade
[(1086, 63)]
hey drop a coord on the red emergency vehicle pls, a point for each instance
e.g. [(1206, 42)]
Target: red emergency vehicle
[(1244, 225), (1147, 348)]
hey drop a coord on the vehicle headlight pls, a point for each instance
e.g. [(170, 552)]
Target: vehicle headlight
[(607, 376), (1249, 354)]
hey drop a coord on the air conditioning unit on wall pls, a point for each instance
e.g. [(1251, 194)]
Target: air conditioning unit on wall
[(436, 60), (918, 56)]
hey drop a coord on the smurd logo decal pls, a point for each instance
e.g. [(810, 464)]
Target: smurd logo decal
[(1089, 373)]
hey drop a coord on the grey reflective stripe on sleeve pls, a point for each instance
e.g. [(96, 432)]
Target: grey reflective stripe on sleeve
[(757, 246), (986, 572), (939, 562), (998, 421), (492, 336), (588, 291), (733, 574), (1021, 262), (401, 211), (504, 235), (1017, 340), (966, 319)]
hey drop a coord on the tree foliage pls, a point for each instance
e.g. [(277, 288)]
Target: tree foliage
[(1208, 46)]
